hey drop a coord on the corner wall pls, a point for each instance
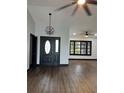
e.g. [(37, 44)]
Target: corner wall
[(30, 29)]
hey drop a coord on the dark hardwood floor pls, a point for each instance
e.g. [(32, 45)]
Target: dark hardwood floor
[(79, 77)]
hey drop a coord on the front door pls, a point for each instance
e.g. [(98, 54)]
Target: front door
[(50, 50)]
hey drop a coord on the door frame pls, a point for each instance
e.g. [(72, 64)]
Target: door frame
[(59, 47)]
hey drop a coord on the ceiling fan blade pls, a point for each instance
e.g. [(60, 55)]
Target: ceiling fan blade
[(74, 11), (65, 6), (86, 8), (92, 2)]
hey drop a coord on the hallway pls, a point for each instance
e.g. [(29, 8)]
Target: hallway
[(79, 77)]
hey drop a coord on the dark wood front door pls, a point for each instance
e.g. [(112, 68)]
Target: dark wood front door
[(50, 50)]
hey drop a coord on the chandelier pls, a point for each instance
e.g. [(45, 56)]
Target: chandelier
[(49, 29)]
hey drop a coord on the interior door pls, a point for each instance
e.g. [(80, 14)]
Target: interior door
[(33, 50), (50, 50)]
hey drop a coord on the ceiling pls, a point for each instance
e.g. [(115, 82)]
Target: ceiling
[(80, 22), (48, 2)]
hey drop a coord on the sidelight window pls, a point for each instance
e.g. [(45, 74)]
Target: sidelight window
[(57, 46)]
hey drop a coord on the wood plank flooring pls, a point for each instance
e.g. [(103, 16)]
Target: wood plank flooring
[(79, 77)]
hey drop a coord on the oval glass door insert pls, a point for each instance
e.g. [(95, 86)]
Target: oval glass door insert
[(47, 47)]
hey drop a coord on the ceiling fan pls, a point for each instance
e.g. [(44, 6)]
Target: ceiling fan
[(82, 3), (87, 34)]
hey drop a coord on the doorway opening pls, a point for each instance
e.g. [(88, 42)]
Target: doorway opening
[(33, 51)]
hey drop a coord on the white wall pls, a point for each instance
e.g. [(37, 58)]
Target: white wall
[(94, 48), (62, 32), (60, 21), (30, 29)]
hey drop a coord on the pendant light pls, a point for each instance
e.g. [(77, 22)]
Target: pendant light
[(49, 29)]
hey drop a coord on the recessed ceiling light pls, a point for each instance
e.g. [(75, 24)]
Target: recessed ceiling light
[(74, 34), (95, 34)]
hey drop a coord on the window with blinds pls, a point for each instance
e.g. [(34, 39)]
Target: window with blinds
[(80, 47)]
